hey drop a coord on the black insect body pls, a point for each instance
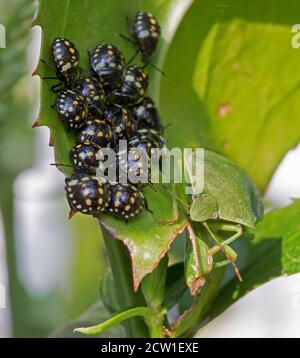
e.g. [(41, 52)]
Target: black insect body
[(126, 201), (84, 157), (135, 166), (108, 63), (147, 139), (104, 107), (155, 135), (72, 108), (141, 157), (147, 116), (87, 194), (145, 150), (121, 121), (66, 60), (146, 32), (96, 131), (134, 87), (93, 92)]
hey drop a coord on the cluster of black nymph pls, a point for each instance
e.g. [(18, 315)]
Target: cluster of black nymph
[(102, 105)]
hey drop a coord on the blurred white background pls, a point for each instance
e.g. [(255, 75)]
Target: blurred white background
[(270, 311)]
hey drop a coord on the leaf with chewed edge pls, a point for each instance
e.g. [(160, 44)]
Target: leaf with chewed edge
[(146, 239)]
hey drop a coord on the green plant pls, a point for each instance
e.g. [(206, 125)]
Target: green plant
[(201, 97)]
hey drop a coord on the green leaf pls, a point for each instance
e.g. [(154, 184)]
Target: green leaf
[(122, 288), (87, 24), (153, 286), (175, 285), (103, 21), (108, 292), (191, 317), (274, 252), (146, 239), (227, 88)]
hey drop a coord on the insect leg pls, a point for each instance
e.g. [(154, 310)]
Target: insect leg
[(49, 78), (223, 246), (237, 229), (48, 65), (133, 57), (56, 88), (128, 39), (155, 67), (147, 207)]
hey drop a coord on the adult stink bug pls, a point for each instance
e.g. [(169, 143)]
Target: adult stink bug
[(229, 202), (228, 193)]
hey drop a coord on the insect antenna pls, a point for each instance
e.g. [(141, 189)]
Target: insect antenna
[(147, 207), (133, 57), (127, 39), (155, 67), (61, 165), (48, 64)]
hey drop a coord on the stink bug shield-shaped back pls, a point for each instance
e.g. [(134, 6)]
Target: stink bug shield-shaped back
[(229, 201), (228, 192)]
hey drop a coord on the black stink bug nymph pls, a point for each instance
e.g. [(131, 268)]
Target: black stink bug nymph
[(135, 85), (96, 131), (72, 108), (84, 157), (66, 59), (93, 92), (108, 63), (87, 194), (147, 116), (126, 201), (136, 166), (120, 120), (146, 32), (147, 139)]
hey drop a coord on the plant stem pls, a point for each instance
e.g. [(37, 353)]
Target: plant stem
[(120, 317), (155, 323), (127, 298), (153, 288)]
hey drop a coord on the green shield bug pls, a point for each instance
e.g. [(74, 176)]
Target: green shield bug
[(228, 202), (228, 194)]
